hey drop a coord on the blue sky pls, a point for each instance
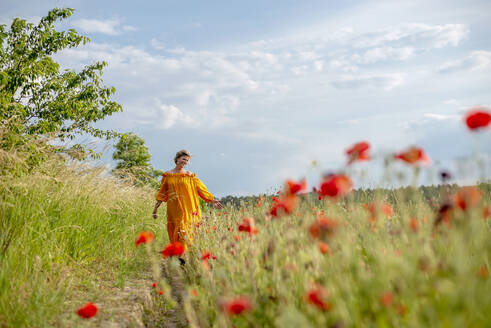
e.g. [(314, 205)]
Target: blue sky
[(257, 90)]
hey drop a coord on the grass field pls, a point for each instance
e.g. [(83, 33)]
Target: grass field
[(67, 238), (380, 258)]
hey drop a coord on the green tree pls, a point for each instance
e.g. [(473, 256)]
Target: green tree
[(36, 97), (133, 160)]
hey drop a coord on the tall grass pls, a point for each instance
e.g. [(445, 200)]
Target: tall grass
[(67, 235)]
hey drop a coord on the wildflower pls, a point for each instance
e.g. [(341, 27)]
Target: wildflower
[(444, 214), (236, 306), (483, 272), (413, 155), (260, 202), (467, 197), (317, 296), (486, 212), (335, 185), (194, 292), (154, 284), (414, 224), (375, 208), (284, 205), (88, 310), (478, 118), (386, 299), (205, 256), (160, 292), (144, 237), (324, 248), (358, 152), (248, 225), (323, 227), (294, 187), (401, 309), (173, 249)]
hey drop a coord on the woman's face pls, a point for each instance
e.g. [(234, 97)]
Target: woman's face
[(182, 161)]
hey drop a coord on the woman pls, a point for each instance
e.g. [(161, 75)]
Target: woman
[(181, 189)]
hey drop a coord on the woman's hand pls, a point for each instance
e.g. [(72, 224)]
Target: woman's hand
[(155, 208), (217, 204)]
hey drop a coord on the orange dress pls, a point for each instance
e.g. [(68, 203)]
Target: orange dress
[(181, 192)]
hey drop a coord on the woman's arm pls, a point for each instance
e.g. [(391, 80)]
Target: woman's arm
[(155, 208)]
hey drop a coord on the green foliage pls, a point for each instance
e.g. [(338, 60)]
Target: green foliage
[(36, 98), (133, 161)]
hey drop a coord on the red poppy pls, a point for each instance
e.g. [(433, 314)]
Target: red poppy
[(318, 296), (88, 310), (445, 214), (386, 299), (284, 205), (413, 155), (358, 152), (144, 237), (160, 292), (483, 272), (375, 208), (323, 227), (237, 305), (414, 224), (248, 225), (154, 284), (467, 197), (335, 185), (205, 256), (294, 187), (324, 248), (173, 249), (478, 118)]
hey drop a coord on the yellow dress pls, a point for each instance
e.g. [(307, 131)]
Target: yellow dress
[(181, 192)]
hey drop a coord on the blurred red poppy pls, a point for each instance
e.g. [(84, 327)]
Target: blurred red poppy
[(335, 185), (154, 284), (413, 155), (386, 299), (324, 248), (358, 152), (236, 306), (248, 225), (294, 187), (88, 310), (376, 208), (173, 249), (284, 205), (478, 118), (414, 224), (318, 296), (323, 227), (467, 197), (144, 237)]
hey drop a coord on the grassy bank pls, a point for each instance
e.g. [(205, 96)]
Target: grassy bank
[(67, 235)]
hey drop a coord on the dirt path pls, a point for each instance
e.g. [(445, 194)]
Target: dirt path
[(162, 315)]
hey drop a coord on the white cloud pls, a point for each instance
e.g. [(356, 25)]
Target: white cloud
[(384, 81), (475, 61), (109, 26), (429, 36), (169, 115)]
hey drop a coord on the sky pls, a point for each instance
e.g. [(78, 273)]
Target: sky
[(258, 91)]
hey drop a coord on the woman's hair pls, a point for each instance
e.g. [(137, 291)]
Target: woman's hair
[(180, 153)]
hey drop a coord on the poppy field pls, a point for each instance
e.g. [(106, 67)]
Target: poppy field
[(329, 255)]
